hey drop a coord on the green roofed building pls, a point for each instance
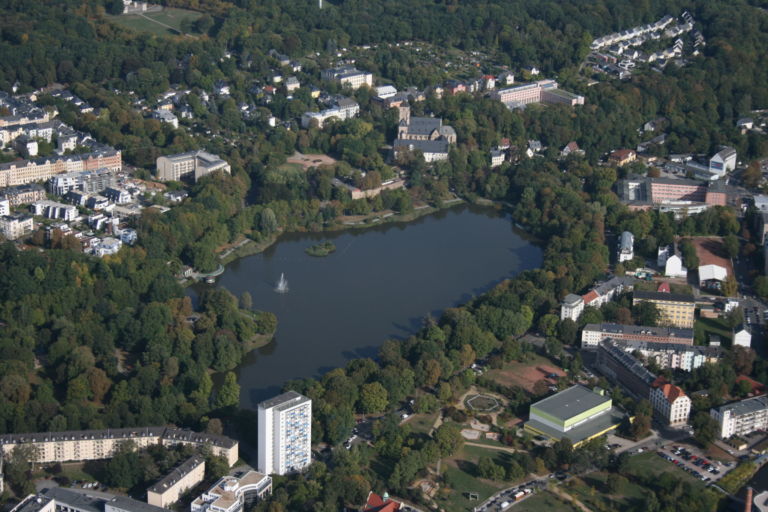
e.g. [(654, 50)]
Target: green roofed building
[(577, 413)]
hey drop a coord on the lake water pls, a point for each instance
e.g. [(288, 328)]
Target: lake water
[(380, 283)]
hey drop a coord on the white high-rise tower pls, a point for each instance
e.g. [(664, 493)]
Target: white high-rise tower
[(285, 434)]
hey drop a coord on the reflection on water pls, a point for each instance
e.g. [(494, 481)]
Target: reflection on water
[(380, 283)]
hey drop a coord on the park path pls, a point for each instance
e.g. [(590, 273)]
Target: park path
[(556, 489), (175, 30), (490, 447)]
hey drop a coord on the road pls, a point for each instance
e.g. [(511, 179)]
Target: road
[(489, 447)]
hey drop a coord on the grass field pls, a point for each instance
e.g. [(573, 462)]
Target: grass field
[(422, 422), (651, 464), (164, 23), (711, 325), (544, 500), (592, 491), (290, 167), (460, 474)]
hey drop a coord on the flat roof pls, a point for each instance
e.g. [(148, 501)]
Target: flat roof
[(285, 400), (669, 297), (587, 430), (570, 402), (75, 500), (748, 406), (641, 330)]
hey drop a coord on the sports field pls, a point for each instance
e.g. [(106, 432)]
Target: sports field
[(164, 23)]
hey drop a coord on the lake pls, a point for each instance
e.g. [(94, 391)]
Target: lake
[(380, 283)]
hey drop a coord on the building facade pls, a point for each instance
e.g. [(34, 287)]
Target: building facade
[(670, 403), (577, 413), (22, 172), (674, 309), (741, 418), (193, 163), (543, 91), (348, 76), (82, 445), (185, 476), (626, 250), (16, 226), (593, 334), (675, 356), (232, 494), (285, 434)]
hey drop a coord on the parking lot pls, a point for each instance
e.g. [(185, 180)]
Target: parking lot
[(694, 462), (508, 497)]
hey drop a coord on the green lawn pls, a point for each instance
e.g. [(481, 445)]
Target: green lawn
[(711, 325), (651, 464), (154, 22), (546, 501), (289, 167), (460, 476), (422, 422), (592, 491)]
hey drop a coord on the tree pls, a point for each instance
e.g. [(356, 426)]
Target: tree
[(448, 438), (540, 387), (705, 428), (203, 24), (373, 398), (268, 221), (115, 7), (761, 286), (124, 469), (731, 242), (246, 301), (646, 313), (18, 468), (229, 393)]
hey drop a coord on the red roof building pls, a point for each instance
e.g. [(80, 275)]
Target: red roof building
[(664, 288), (376, 503)]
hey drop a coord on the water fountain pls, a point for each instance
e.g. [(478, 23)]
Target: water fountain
[(282, 284)]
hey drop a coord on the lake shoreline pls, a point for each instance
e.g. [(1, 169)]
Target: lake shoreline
[(248, 247)]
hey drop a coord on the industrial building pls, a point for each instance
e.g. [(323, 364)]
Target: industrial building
[(577, 413)]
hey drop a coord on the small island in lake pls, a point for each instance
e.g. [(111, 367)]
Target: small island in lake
[(320, 250)]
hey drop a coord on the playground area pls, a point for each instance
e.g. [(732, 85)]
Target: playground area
[(307, 161), (526, 374)]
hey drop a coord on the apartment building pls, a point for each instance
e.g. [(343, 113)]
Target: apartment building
[(54, 210), (345, 108), (81, 445), (543, 91), (348, 76), (58, 499), (675, 356), (742, 417), (90, 182), (674, 309), (185, 476), (15, 226), (284, 433), (24, 194), (191, 164), (233, 494), (670, 402), (28, 171), (573, 305), (593, 334), (620, 367)]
